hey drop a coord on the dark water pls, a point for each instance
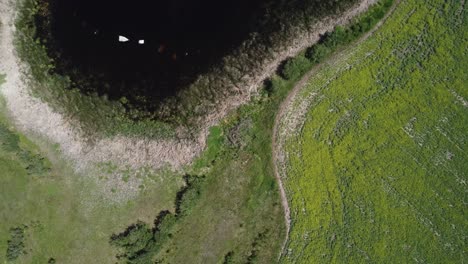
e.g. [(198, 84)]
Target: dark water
[(182, 39)]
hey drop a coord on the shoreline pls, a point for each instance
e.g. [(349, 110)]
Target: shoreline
[(32, 115)]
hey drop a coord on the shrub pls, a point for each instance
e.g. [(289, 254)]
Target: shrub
[(317, 53), (15, 244), (344, 35), (188, 195), (140, 243), (338, 37), (295, 68), (228, 258), (136, 240), (8, 140)]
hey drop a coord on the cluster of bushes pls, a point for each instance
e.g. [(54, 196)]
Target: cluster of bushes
[(188, 195), (295, 67), (34, 163), (15, 243), (140, 242), (228, 258)]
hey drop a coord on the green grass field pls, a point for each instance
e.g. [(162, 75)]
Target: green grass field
[(377, 174), (57, 223), (238, 218)]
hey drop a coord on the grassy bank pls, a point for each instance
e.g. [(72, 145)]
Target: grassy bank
[(378, 171)]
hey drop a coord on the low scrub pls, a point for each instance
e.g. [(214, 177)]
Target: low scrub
[(16, 246), (33, 162), (140, 243)]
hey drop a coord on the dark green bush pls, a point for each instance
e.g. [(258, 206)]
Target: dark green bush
[(228, 258), (317, 53), (140, 243), (15, 244), (295, 68), (188, 195), (35, 164), (9, 141), (344, 35), (337, 37), (137, 241)]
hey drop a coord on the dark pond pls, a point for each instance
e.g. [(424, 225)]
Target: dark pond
[(182, 38)]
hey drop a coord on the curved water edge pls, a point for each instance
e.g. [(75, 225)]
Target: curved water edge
[(143, 53), (32, 114)]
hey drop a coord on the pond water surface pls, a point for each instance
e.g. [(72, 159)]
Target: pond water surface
[(167, 43)]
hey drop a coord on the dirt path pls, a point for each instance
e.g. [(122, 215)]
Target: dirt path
[(277, 147)]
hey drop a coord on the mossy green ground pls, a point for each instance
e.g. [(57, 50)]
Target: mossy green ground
[(377, 173)]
